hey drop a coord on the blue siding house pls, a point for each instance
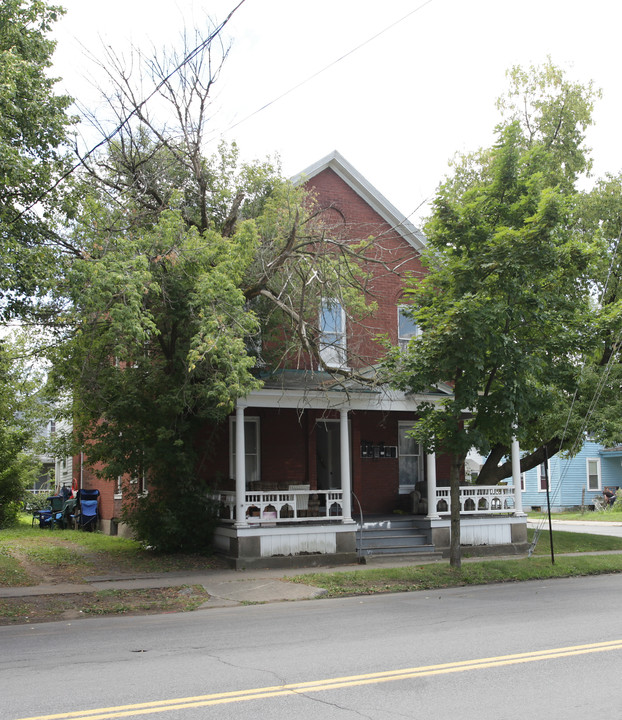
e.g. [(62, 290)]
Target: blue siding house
[(574, 481)]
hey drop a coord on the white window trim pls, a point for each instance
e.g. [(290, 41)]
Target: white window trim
[(539, 470), (247, 419), (405, 489), (403, 341), (334, 353), (587, 474)]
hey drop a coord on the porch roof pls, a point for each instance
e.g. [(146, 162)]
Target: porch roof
[(307, 389)]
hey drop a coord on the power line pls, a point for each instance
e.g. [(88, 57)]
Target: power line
[(192, 54), (327, 67)]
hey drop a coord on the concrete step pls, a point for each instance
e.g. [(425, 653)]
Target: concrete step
[(406, 558), (392, 536), (380, 539), (397, 550), (388, 524)]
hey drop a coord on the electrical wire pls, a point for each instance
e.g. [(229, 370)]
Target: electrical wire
[(328, 67), (580, 438), (187, 59), (192, 54)]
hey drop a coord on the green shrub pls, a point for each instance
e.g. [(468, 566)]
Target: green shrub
[(9, 513), (182, 521), (35, 501)]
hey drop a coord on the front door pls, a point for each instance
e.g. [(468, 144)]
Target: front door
[(328, 454)]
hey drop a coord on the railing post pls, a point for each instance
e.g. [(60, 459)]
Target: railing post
[(346, 481), (518, 495), (431, 486), (240, 466)]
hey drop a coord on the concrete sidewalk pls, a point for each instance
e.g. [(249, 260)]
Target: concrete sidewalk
[(232, 587), (225, 587)]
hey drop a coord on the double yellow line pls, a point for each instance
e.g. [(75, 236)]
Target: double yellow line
[(157, 706)]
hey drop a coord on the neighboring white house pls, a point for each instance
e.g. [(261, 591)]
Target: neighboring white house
[(56, 473)]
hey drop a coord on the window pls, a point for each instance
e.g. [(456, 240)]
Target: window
[(409, 452), (251, 448), (333, 333), (593, 473), (140, 481), (407, 328), (542, 477)]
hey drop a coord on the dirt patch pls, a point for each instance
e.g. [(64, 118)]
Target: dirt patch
[(47, 608), (60, 560), (53, 558)]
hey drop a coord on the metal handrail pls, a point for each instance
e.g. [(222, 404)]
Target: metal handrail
[(360, 550)]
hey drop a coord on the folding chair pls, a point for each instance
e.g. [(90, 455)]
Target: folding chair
[(88, 513), (49, 517)]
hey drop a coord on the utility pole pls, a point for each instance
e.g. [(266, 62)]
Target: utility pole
[(548, 502)]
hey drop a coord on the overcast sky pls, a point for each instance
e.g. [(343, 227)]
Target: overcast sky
[(399, 106)]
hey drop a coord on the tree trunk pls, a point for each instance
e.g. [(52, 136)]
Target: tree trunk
[(455, 554), (492, 473)]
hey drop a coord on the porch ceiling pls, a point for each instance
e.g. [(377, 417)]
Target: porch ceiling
[(321, 390)]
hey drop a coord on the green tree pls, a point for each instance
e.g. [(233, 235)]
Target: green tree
[(506, 309), (21, 417), (183, 258), (34, 127)]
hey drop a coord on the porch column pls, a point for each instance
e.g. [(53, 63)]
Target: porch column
[(518, 495), (240, 466), (431, 486), (346, 480)]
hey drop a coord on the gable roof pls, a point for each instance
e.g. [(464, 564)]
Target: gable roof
[(376, 200)]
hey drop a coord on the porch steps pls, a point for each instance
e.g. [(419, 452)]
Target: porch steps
[(391, 538)]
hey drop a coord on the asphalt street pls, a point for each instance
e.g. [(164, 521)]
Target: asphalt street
[(582, 526), (498, 652)]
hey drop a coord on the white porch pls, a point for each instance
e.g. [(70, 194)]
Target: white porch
[(297, 525), (285, 507)]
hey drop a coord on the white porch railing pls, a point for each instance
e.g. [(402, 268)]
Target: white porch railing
[(283, 506), (478, 500)]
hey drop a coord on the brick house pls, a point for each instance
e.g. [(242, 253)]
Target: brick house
[(321, 455)]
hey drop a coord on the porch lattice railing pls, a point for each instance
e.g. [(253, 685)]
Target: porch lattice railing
[(283, 506), (478, 500)]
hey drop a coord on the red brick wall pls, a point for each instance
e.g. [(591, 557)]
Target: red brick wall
[(84, 475), (350, 218), (284, 446), (375, 481)]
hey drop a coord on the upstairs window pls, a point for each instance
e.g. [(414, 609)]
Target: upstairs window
[(407, 328), (333, 334)]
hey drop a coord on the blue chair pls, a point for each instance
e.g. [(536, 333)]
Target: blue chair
[(87, 509), (52, 516)]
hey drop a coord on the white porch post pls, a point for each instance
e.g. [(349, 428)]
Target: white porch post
[(518, 495), (346, 480), (240, 466), (431, 485)]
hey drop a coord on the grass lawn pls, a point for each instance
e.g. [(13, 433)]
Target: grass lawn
[(31, 556), (481, 572), (587, 516)]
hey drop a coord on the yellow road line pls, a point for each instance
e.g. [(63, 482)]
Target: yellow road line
[(157, 706)]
